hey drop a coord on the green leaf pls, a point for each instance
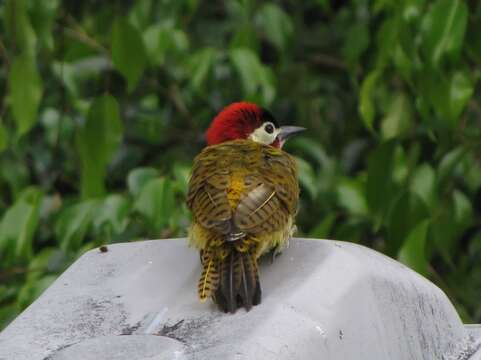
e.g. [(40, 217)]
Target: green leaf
[(156, 203), (6, 293), (412, 253), (112, 213), (245, 37), (402, 164), (443, 30), (267, 82), (397, 120), (67, 75), (182, 176), (200, 66), (307, 177), (356, 42), (366, 98), (349, 230), (323, 229), (403, 63), (311, 149), (40, 263), (128, 52), (448, 93), (162, 42), (253, 75), (452, 219), (449, 162), (460, 91), (276, 24), (350, 195), (97, 141), (463, 210), (73, 224), (386, 37), (380, 186), (140, 13), (18, 28), (248, 66), (25, 91), (423, 183), (18, 226), (43, 15), (7, 314), (3, 138), (137, 178), (16, 178), (472, 173), (405, 214)]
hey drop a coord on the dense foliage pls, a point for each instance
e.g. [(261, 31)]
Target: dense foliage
[(104, 104)]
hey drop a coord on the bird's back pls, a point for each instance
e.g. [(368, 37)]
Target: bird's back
[(242, 185), (243, 196)]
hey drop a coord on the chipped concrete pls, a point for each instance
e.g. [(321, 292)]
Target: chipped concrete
[(321, 300)]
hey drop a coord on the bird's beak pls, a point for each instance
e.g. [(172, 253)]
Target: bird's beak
[(287, 131)]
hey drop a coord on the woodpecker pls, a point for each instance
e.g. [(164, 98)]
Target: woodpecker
[(243, 195)]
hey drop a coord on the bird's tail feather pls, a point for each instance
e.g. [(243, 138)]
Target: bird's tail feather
[(238, 281), (209, 280)]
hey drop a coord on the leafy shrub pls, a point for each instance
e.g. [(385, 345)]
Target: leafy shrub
[(104, 105)]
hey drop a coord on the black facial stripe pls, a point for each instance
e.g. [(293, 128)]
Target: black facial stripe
[(267, 116)]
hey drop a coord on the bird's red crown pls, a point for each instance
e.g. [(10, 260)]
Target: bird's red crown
[(236, 121)]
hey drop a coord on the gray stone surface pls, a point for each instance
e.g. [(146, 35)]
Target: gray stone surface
[(123, 348), (321, 300), (474, 331)]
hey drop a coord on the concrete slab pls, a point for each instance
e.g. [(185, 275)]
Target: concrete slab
[(322, 299)]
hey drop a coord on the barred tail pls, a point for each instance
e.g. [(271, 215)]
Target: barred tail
[(209, 280), (239, 281)]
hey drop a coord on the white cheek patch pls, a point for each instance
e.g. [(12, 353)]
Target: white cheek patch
[(261, 136)]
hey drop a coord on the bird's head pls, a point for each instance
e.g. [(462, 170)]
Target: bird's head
[(243, 120)]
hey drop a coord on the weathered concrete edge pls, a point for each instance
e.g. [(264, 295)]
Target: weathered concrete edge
[(468, 349)]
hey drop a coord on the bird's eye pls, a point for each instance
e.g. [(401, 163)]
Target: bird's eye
[(269, 128)]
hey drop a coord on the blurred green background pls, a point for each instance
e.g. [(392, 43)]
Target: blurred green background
[(103, 105)]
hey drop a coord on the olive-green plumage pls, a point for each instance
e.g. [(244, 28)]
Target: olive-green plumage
[(243, 196)]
